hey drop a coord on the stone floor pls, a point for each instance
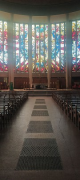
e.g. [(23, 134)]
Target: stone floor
[(25, 126)]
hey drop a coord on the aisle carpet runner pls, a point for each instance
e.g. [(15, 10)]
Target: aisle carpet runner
[(39, 153)]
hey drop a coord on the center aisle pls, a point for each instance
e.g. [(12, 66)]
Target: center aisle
[(40, 143)]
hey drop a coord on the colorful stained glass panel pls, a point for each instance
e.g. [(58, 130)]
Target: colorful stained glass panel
[(62, 47), (53, 47), (46, 48), (5, 47), (74, 46), (20, 46), (37, 48), (40, 48), (1, 46), (78, 45), (33, 48), (57, 47), (26, 47), (17, 47), (65, 49)]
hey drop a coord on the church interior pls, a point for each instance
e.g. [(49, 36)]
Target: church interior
[(39, 89)]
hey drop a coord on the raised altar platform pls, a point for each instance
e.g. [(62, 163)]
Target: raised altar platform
[(45, 92)]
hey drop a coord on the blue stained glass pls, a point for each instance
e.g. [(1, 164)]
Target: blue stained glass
[(5, 47), (41, 31), (40, 48), (37, 31), (76, 45), (58, 46), (21, 47)]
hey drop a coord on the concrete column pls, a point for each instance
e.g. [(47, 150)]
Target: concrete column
[(49, 52), (68, 53), (10, 50), (30, 51)]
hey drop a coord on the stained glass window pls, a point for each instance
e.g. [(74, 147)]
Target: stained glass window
[(3, 46), (76, 46), (62, 47), (58, 47), (33, 48), (37, 48), (40, 48), (26, 47), (17, 47), (65, 49), (46, 48), (20, 47), (53, 47)]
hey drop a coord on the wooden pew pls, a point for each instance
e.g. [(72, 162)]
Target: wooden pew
[(70, 103)]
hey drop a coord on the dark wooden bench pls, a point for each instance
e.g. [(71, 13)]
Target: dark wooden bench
[(9, 104)]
